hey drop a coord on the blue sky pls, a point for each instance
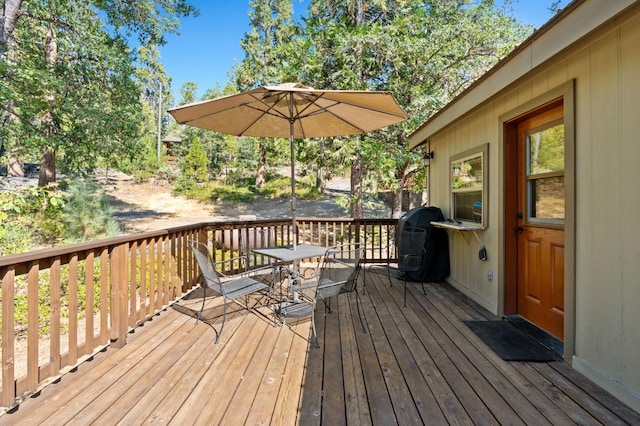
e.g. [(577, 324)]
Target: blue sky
[(208, 46)]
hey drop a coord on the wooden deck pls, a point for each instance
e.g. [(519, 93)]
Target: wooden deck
[(414, 365)]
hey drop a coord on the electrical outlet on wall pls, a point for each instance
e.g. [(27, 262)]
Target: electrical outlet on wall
[(490, 275)]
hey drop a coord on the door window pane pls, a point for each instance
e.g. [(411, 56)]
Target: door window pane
[(546, 150), (547, 198)]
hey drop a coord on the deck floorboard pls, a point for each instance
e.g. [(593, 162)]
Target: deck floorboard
[(418, 364)]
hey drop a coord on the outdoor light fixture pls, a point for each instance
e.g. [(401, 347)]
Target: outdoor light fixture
[(427, 157)]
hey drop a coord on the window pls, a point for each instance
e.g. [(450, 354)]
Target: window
[(545, 174), (468, 185)]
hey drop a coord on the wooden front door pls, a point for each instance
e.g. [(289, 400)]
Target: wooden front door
[(540, 220)]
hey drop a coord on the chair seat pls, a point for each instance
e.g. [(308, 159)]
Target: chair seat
[(328, 288), (295, 309), (242, 286)]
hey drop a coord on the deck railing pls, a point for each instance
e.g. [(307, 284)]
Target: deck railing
[(60, 306)]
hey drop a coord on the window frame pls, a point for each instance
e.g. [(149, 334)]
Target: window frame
[(482, 152)]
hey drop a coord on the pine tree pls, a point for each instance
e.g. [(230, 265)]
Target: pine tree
[(194, 165)]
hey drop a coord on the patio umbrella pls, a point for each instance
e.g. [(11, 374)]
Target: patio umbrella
[(294, 111)]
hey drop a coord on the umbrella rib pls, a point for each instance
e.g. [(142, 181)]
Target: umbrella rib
[(326, 110), (269, 111)]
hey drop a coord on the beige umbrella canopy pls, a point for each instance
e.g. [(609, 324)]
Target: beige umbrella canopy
[(293, 111)]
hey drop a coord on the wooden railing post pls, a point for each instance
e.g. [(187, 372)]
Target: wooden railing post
[(119, 287), (8, 396)]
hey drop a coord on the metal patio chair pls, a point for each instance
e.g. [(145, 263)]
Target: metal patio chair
[(338, 273), (409, 244), (231, 289)]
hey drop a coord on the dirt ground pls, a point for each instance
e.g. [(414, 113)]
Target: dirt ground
[(149, 206)]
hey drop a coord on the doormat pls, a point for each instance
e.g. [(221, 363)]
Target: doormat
[(510, 343)]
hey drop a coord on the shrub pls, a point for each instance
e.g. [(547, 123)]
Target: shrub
[(30, 217), (194, 165), (88, 214)]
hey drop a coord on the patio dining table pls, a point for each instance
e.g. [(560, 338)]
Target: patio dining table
[(293, 255), (290, 254)]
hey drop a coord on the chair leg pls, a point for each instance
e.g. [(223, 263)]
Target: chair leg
[(364, 281), (327, 306), (204, 296), (364, 330), (224, 318)]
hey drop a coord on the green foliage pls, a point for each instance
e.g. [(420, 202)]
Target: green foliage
[(236, 187), (168, 173), (194, 165), (148, 19), (276, 186), (193, 168), (88, 213), (144, 165), (234, 194), (71, 85), (30, 217), (424, 52)]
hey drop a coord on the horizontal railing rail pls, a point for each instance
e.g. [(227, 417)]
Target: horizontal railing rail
[(62, 305)]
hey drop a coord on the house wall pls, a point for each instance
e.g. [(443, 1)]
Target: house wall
[(604, 330)]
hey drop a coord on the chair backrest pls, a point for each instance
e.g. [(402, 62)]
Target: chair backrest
[(411, 247), (339, 269), (210, 276)]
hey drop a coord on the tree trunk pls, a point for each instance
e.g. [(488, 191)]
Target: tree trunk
[(15, 167), (396, 203), (48, 154), (47, 167), (320, 184), (10, 9), (262, 164), (357, 210)]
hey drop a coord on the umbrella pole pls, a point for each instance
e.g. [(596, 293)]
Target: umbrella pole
[(293, 177), (293, 192)]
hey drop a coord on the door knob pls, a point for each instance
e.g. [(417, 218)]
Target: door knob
[(519, 229)]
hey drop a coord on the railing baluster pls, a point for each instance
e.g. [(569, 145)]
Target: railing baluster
[(168, 271), (8, 339), (119, 290), (143, 268), (151, 266), (73, 310), (133, 284), (33, 328), (89, 303), (104, 296), (54, 333)]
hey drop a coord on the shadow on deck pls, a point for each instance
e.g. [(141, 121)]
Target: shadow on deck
[(414, 365)]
